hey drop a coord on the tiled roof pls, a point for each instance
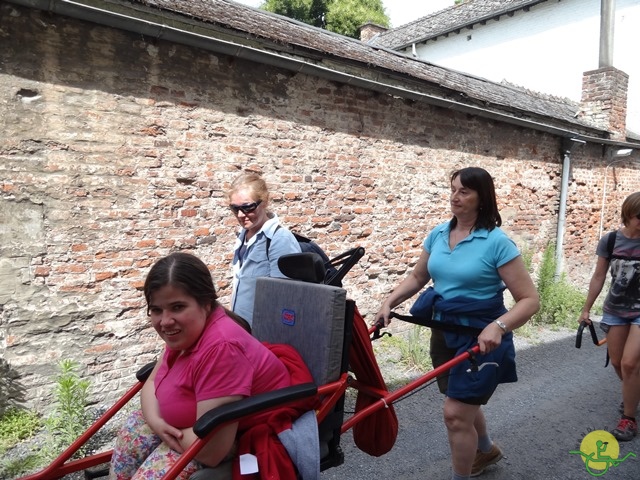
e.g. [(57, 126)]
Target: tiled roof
[(382, 68), (449, 20)]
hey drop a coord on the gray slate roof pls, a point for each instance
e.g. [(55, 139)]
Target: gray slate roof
[(289, 38), (449, 20), (225, 27)]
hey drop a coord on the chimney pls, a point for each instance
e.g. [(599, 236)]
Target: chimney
[(604, 100), (370, 30), (604, 91)]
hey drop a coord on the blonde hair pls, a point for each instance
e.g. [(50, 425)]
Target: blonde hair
[(252, 182)]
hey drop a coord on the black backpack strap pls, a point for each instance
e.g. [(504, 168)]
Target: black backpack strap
[(445, 327), (611, 243)]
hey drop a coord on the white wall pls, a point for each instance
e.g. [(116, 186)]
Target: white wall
[(546, 49)]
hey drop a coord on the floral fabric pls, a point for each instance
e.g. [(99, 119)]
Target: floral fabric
[(139, 454)]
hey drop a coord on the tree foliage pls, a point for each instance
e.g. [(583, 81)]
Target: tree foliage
[(340, 16)]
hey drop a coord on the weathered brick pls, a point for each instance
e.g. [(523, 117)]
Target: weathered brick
[(114, 176)]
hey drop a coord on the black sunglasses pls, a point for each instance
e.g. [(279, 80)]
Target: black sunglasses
[(245, 207)]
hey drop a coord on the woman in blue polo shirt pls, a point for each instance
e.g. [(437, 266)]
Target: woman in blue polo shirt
[(259, 244), (471, 261)]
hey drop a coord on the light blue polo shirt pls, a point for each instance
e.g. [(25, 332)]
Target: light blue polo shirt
[(257, 262), (471, 268)]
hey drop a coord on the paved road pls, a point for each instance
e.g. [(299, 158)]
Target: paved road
[(563, 394)]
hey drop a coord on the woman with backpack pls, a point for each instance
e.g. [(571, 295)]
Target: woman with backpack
[(261, 241), (619, 252)]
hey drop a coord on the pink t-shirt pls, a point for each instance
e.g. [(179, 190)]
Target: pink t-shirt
[(225, 361)]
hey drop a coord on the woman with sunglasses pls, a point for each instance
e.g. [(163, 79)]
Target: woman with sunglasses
[(621, 309), (260, 243)]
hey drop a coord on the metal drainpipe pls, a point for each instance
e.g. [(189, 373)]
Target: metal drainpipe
[(567, 145)]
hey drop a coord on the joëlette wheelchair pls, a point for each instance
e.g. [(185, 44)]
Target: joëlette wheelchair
[(312, 314)]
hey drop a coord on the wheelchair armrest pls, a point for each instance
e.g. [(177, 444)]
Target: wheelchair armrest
[(251, 405), (145, 371)]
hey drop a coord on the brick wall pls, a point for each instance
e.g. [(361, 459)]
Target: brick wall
[(117, 149)]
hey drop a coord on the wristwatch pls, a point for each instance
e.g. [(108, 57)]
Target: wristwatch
[(502, 326)]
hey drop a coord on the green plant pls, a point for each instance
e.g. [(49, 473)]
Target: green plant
[(527, 257), (560, 302), (18, 467), (70, 417), (414, 349), (66, 422), (16, 425)]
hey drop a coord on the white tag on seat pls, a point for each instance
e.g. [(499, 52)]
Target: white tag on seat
[(248, 464)]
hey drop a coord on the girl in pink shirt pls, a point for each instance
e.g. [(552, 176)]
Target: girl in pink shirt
[(208, 360)]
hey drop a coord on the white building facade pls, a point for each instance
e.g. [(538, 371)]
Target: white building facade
[(545, 48)]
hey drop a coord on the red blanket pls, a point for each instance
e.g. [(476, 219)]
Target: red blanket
[(260, 437), (375, 434)]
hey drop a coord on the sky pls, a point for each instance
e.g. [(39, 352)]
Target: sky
[(399, 11)]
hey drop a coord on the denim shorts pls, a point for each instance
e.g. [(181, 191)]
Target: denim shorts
[(614, 320), (440, 354)]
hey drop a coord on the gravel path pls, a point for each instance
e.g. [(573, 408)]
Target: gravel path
[(563, 394)]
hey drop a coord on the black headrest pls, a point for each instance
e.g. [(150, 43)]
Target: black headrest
[(306, 266)]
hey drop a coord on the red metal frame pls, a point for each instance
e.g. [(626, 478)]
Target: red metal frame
[(387, 398), (330, 393)]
